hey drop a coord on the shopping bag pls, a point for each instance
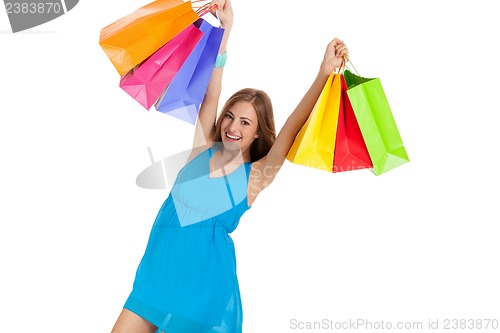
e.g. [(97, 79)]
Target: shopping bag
[(130, 40), (350, 148), (315, 142), (183, 96), (147, 81), (376, 122)]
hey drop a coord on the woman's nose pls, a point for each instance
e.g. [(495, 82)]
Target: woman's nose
[(233, 126)]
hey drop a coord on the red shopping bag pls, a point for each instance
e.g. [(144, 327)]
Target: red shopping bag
[(350, 148)]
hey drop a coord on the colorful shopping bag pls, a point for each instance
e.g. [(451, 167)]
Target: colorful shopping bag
[(183, 97), (315, 142), (147, 81), (376, 122), (350, 148), (130, 40)]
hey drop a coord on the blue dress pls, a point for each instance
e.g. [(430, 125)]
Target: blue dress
[(186, 280)]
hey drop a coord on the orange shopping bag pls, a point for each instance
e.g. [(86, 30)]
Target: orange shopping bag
[(133, 38)]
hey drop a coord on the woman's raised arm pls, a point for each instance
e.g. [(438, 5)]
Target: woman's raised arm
[(267, 167), (205, 125)]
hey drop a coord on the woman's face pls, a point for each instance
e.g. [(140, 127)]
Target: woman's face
[(239, 126)]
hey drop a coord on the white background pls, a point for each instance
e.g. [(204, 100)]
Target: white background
[(417, 243)]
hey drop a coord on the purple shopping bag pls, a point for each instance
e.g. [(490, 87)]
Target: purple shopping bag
[(183, 97), (148, 80)]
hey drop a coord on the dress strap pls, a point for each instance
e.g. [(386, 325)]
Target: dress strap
[(228, 189), (248, 166), (247, 169)]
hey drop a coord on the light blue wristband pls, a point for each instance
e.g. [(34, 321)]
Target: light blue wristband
[(221, 60)]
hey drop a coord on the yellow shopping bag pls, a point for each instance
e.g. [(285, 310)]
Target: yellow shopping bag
[(315, 143), (133, 38)]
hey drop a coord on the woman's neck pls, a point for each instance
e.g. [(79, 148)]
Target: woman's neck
[(228, 156)]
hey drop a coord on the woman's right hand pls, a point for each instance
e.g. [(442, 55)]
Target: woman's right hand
[(225, 13)]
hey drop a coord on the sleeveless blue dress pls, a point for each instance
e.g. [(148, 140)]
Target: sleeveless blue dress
[(186, 280)]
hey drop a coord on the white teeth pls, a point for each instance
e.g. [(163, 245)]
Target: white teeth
[(233, 137)]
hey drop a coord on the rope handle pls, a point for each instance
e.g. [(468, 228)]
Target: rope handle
[(346, 59), (203, 9), (342, 66)]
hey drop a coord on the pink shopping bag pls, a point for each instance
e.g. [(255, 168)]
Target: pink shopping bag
[(146, 82)]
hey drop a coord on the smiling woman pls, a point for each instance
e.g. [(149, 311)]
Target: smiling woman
[(186, 281), (249, 111)]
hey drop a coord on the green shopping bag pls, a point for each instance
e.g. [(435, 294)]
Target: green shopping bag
[(376, 122)]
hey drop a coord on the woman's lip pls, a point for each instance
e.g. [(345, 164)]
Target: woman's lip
[(234, 137)]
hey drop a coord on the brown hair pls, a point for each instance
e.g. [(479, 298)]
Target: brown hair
[(265, 118)]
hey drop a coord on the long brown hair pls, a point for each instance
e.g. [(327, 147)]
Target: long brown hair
[(265, 118)]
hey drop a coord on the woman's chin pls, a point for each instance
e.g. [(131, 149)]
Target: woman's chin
[(236, 145), (231, 145)]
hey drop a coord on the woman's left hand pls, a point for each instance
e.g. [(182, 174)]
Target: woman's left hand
[(225, 12), (334, 56)]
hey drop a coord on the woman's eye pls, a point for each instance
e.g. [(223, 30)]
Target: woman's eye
[(228, 116), (246, 123)]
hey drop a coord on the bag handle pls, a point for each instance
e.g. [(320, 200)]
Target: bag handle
[(342, 65), (204, 9), (346, 59)]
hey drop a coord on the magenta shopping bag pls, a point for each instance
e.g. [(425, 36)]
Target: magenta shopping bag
[(146, 82), (183, 97)]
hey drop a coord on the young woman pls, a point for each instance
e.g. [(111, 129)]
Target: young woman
[(186, 281)]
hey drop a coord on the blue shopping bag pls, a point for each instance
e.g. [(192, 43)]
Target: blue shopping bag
[(183, 97)]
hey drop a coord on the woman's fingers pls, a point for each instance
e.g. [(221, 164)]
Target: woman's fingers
[(336, 41), (219, 6), (224, 12), (219, 3), (341, 50), (338, 47)]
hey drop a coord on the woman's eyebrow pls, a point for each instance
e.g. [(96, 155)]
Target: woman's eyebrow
[(229, 111), (246, 119)]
